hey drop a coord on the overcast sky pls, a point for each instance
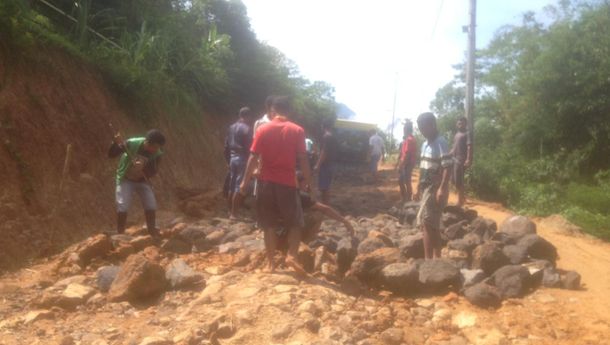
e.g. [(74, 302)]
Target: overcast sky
[(362, 47)]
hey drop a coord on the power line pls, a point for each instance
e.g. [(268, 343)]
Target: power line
[(438, 15)]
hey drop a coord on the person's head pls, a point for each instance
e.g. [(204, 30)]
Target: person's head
[(280, 106), (328, 124), (426, 123), (408, 128), (154, 141), (246, 115), (461, 124)]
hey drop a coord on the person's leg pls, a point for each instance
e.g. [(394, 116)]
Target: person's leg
[(408, 182), (123, 196), (232, 185), (428, 242), (325, 177), (149, 203), (267, 219), (270, 247), (294, 240), (240, 168), (401, 184), (291, 213), (458, 169), (425, 220)]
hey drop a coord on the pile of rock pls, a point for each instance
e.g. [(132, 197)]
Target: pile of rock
[(485, 263)]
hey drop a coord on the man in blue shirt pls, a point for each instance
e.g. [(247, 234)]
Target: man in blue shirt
[(237, 151)]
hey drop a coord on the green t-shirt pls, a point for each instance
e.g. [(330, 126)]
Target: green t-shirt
[(133, 146)]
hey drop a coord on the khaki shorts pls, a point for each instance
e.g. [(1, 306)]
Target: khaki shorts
[(430, 211)]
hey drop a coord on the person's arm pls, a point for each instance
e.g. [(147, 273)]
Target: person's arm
[(152, 167), (446, 164), (250, 166), (117, 147), (321, 159), (468, 161), (304, 164), (333, 214)]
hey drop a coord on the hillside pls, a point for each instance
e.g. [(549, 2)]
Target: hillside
[(50, 99)]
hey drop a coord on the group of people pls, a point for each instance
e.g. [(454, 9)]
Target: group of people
[(270, 159)]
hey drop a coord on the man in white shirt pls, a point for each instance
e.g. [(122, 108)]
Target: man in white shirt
[(377, 152)]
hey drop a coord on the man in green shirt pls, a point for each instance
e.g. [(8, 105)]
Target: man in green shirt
[(140, 158)]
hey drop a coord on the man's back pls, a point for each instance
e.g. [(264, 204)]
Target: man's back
[(278, 144), (239, 138), (376, 144)]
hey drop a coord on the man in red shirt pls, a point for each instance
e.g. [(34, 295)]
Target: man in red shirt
[(278, 145), (406, 162)]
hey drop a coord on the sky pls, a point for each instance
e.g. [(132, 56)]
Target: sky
[(369, 49)]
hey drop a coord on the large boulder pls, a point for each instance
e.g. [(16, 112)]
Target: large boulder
[(571, 280), (177, 246), (551, 278), (401, 278), (367, 267), (485, 228), (439, 275), (370, 244), (483, 295), (412, 246), (180, 275), (516, 254), (192, 234), (138, 280), (538, 248), (512, 281), (455, 231), (346, 253), (488, 257), (515, 227)]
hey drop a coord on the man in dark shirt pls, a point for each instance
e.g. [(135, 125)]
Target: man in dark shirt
[(140, 158), (237, 151), (326, 162), (462, 157)]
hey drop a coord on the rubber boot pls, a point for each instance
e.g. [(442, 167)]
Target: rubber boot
[(151, 223), (121, 221)]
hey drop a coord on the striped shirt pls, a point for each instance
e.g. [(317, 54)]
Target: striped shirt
[(435, 155)]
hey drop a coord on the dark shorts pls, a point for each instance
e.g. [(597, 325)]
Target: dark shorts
[(458, 174), (278, 206), (374, 164), (325, 176), (404, 175), (237, 169)]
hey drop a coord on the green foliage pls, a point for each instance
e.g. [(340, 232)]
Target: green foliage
[(176, 54), (542, 127)]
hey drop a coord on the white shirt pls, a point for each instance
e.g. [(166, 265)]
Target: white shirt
[(260, 122), (376, 144)]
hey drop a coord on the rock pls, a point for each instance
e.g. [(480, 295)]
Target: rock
[(571, 280), (412, 246), (449, 219), (458, 257), (215, 237), (180, 275), (488, 257), (352, 286), (368, 267), (515, 254), (551, 278), (392, 336), (516, 227), (306, 257), (105, 276), (225, 330), (401, 278), (191, 234), (177, 246), (439, 275), (156, 341), (141, 242), (470, 215), (281, 332), (512, 281), (94, 247), (483, 295), (36, 315), (483, 227), (76, 294), (471, 276), (464, 319), (381, 236), (312, 324), (369, 245), (539, 248), (67, 340), (483, 336), (346, 253), (455, 231), (466, 244), (139, 279)]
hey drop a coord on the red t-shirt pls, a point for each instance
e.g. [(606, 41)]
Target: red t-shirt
[(409, 148), (278, 143)]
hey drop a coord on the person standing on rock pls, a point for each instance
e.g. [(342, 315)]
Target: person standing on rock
[(406, 162), (237, 151), (326, 162), (462, 158), (279, 145), (140, 159), (376, 152), (433, 189)]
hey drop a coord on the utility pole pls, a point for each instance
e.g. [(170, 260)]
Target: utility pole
[(470, 69)]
